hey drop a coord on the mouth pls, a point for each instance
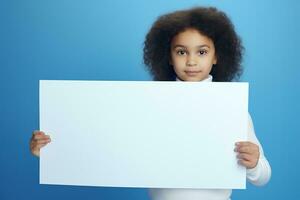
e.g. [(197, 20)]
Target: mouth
[(192, 72)]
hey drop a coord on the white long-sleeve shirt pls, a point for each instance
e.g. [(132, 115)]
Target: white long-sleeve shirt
[(259, 176)]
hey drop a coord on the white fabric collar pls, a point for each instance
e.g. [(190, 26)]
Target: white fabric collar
[(208, 79)]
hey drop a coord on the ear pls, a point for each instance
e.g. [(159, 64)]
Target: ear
[(215, 61)]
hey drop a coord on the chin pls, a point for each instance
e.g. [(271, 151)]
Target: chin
[(193, 79)]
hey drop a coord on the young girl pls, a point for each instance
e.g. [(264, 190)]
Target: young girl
[(198, 44)]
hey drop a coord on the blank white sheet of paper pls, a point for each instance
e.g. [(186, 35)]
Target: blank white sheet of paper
[(148, 134)]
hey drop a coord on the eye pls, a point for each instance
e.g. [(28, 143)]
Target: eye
[(181, 52), (202, 52)]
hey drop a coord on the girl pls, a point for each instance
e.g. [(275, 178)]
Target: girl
[(198, 44)]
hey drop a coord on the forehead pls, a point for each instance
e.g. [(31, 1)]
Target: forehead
[(191, 38)]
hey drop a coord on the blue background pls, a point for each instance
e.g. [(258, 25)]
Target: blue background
[(103, 40)]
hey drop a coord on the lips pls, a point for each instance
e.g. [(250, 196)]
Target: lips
[(192, 72)]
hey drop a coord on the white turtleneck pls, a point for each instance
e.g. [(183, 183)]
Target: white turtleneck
[(207, 79), (259, 176)]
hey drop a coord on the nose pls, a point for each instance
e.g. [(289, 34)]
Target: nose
[(191, 61)]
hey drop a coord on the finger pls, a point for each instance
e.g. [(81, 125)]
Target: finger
[(36, 151), (242, 143), (246, 149), (245, 163), (244, 156), (33, 142), (39, 146), (239, 145), (41, 137), (43, 141), (38, 132), (242, 149)]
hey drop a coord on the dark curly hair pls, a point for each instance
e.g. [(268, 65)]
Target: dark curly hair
[(208, 21)]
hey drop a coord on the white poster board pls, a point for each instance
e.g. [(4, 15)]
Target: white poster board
[(148, 134)]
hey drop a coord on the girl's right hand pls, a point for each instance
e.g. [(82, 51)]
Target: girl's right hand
[(38, 140)]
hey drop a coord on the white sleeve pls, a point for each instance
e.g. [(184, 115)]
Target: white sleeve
[(261, 174)]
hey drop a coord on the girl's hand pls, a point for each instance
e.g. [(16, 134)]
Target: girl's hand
[(248, 154), (37, 141)]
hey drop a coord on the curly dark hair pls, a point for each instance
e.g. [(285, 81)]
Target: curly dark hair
[(210, 22)]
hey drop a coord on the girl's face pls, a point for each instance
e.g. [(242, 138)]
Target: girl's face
[(192, 55)]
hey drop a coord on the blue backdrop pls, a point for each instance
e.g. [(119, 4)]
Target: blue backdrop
[(103, 40)]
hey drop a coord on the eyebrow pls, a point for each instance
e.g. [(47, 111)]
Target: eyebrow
[(199, 46)]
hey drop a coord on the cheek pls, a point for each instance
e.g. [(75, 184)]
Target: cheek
[(177, 63), (177, 68), (207, 64)]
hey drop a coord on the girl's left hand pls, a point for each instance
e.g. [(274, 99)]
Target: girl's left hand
[(248, 154)]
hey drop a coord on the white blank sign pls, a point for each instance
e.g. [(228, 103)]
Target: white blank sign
[(149, 134)]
